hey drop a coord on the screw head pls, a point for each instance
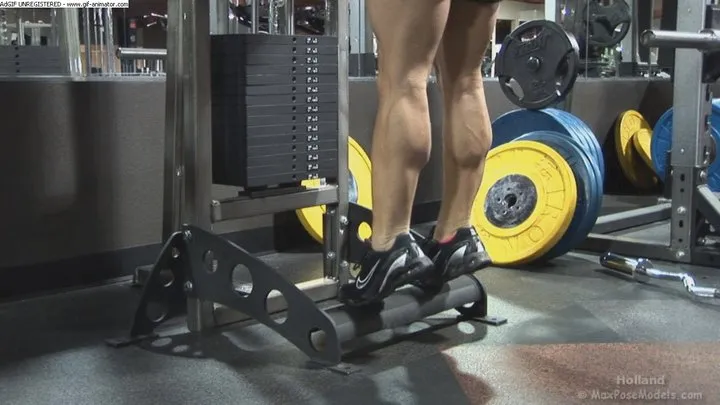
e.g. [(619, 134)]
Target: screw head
[(188, 286), (187, 235), (680, 254)]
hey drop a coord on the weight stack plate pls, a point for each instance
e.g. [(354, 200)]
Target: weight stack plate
[(31, 61), (274, 109)]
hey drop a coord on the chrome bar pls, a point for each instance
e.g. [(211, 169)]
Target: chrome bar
[(705, 40), (141, 53), (234, 208), (321, 289), (643, 270)]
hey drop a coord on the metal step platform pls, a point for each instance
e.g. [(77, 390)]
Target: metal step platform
[(195, 263)]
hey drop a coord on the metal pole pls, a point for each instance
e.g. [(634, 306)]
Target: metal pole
[(689, 133), (337, 23), (110, 40), (290, 17), (86, 35), (219, 18), (255, 17), (187, 130)]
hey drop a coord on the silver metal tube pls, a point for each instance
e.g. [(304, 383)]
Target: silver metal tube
[(290, 17), (110, 39), (86, 37), (100, 38), (642, 270), (705, 40), (141, 53), (255, 17), (273, 17)]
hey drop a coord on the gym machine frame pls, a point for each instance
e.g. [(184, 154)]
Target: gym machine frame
[(193, 273), (694, 210)]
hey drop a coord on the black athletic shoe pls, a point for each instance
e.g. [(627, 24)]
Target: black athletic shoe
[(463, 254), (382, 272)]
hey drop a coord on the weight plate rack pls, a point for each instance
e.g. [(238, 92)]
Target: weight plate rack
[(274, 109), (30, 60)]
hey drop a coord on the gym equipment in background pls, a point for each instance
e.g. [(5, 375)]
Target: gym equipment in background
[(643, 271), (632, 165), (359, 192), (537, 64)]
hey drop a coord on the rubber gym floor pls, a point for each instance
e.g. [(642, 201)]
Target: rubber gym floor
[(572, 331)]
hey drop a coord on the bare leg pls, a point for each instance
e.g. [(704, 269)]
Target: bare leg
[(467, 134), (408, 34)]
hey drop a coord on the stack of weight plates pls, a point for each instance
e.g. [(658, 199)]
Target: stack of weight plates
[(542, 189), (31, 60), (661, 143), (274, 111)]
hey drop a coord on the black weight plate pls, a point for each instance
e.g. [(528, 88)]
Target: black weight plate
[(295, 119), (298, 89), (289, 178), (229, 40), (292, 129), (327, 108), (606, 25), (542, 59), (299, 159), (329, 69), (291, 139), (265, 80), (19, 70), (284, 148), (291, 60), (243, 71), (253, 50), (291, 98), (289, 168)]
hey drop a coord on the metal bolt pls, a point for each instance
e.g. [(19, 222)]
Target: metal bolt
[(344, 264), (330, 255), (703, 175), (682, 150), (344, 221), (187, 235), (681, 210), (188, 286), (179, 172), (680, 254)]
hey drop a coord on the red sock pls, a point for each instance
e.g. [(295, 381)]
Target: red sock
[(448, 239)]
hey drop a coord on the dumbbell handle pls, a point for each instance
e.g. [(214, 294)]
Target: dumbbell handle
[(706, 40), (643, 270)]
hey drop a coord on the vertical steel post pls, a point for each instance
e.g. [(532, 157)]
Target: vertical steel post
[(690, 137)]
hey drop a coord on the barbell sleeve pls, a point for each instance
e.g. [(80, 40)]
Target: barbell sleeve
[(141, 53), (706, 40)]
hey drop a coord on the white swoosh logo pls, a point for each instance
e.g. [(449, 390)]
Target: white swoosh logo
[(361, 282)]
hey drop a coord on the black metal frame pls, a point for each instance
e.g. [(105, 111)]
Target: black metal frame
[(693, 209), (198, 264)]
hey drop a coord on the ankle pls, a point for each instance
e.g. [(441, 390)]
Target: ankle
[(446, 238), (382, 244)]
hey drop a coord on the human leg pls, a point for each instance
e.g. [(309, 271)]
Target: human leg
[(456, 248), (408, 34)]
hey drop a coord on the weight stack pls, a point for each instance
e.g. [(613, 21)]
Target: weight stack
[(31, 61), (274, 109)]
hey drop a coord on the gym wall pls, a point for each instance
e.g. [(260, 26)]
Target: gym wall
[(81, 171)]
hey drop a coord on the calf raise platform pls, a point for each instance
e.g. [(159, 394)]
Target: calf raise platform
[(198, 264)]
